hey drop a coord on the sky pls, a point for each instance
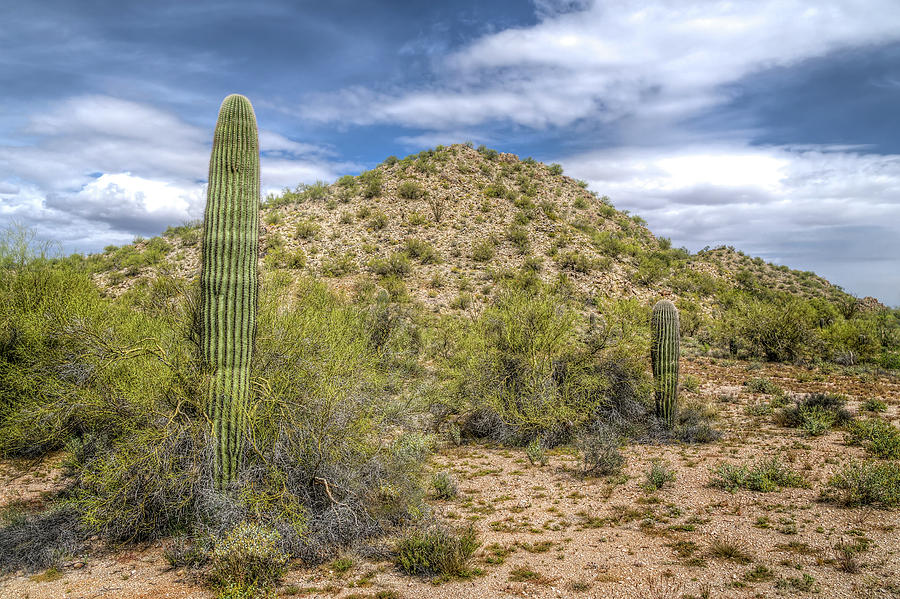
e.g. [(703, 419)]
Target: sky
[(772, 125)]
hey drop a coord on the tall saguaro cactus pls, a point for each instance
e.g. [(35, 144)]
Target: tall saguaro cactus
[(664, 355), (228, 279)]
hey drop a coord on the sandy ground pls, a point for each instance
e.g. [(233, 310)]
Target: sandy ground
[(547, 532)]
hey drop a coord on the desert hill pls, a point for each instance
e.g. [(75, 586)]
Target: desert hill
[(445, 225)]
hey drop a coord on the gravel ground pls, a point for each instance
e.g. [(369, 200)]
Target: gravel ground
[(560, 535)]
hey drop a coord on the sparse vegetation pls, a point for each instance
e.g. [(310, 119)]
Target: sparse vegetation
[(437, 551), (764, 476), (867, 482)]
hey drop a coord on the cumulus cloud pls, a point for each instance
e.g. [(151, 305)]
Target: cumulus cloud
[(661, 59), (101, 170), (832, 210)]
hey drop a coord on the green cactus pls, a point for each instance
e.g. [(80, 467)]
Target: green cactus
[(228, 280), (664, 354)]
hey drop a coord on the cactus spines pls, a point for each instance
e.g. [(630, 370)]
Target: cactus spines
[(228, 279), (664, 355)]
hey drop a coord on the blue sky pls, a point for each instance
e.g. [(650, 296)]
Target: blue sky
[(770, 125)]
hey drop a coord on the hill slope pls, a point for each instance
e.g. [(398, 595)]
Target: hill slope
[(449, 223)]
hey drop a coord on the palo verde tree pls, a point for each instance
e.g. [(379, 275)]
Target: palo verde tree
[(228, 279)]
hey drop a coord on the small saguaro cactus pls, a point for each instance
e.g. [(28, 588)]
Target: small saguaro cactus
[(228, 279), (664, 355)]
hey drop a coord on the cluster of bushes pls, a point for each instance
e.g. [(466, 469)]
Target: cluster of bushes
[(782, 328), (528, 371), (118, 385)]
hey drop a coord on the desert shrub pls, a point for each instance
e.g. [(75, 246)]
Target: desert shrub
[(867, 482), (410, 190), (815, 413), (443, 485), (574, 260), (763, 385), (397, 264), (877, 436), (371, 184), (246, 561), (873, 405), (722, 548), (600, 452), (436, 551), (422, 251), (555, 169), (535, 452), (693, 424), (33, 542), (284, 258), (658, 475), (307, 229), (483, 251), (42, 303), (690, 383), (765, 476), (317, 469), (377, 221), (518, 236), (338, 264), (780, 330), (522, 361)]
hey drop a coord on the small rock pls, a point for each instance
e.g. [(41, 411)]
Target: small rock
[(78, 565)]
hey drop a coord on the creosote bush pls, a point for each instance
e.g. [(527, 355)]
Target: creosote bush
[(436, 551), (868, 482), (877, 436), (815, 413), (443, 485), (246, 561), (765, 476)]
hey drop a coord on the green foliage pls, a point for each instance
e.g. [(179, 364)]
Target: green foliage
[(536, 453), (878, 436), (574, 260), (410, 190), (307, 229), (397, 264), (339, 264), (866, 482), (443, 485), (765, 476), (658, 475), (132, 417), (247, 561), (436, 551), (555, 169), (483, 251), (521, 369), (815, 413), (371, 184), (600, 452), (763, 385), (873, 405), (422, 251), (377, 221), (664, 357)]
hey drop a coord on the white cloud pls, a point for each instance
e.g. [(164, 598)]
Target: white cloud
[(100, 170), (832, 210), (616, 58)]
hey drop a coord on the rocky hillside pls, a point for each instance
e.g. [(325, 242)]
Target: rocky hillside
[(446, 225)]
